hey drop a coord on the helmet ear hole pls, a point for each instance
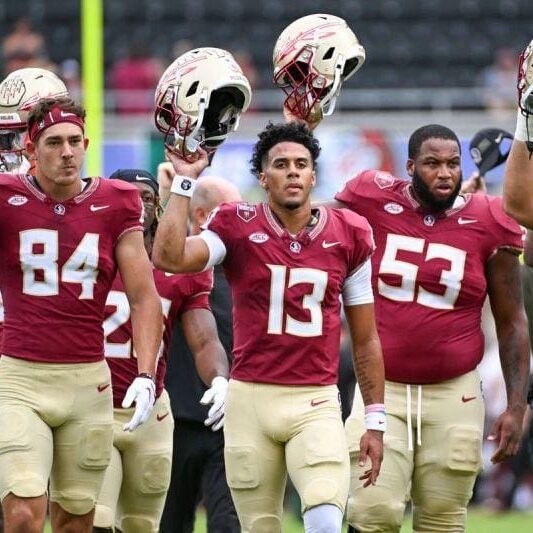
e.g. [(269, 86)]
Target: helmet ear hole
[(329, 53), (193, 88)]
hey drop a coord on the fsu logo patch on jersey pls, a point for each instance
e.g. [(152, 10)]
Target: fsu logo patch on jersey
[(246, 212), (384, 179), (295, 247)]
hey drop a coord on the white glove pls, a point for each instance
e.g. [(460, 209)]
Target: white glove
[(142, 392), (217, 396)]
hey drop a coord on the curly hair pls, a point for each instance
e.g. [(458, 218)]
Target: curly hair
[(277, 133)]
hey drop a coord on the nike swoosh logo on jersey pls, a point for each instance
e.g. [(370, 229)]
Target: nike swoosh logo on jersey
[(314, 403), (103, 387), (468, 398), (161, 417), (97, 207), (462, 220), (329, 244)]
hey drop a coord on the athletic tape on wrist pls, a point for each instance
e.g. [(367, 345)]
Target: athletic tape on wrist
[(183, 186)]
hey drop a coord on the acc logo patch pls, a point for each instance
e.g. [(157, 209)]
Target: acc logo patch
[(246, 212), (393, 208), (258, 237), (384, 179), (17, 200)]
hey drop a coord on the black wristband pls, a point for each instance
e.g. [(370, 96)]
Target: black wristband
[(146, 375)]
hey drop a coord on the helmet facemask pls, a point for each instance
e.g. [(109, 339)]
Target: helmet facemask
[(310, 96), (525, 90), (12, 159)]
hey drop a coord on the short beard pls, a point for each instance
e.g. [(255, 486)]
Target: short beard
[(291, 206), (428, 199)]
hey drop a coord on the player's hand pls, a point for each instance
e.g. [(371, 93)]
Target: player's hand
[(191, 168), (475, 183), (142, 392), (506, 432), (216, 395), (312, 122), (371, 446), (165, 174)]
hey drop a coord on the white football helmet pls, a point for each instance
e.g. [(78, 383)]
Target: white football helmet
[(19, 92), (199, 100), (313, 56)]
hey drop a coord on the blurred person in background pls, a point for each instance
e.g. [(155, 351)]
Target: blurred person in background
[(133, 79), (135, 484), (198, 471), (498, 82), (23, 47)]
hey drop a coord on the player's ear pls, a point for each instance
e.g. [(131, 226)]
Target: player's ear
[(313, 183), (30, 148), (85, 143), (410, 167), (262, 181)]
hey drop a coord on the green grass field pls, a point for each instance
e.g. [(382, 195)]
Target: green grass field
[(479, 521)]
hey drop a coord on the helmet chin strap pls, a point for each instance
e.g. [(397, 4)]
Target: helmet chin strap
[(191, 141), (329, 101)]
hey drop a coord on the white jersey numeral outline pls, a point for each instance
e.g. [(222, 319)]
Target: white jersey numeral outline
[(312, 302), (123, 350), (407, 290), (81, 267)]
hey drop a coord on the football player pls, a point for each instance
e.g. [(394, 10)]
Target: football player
[(62, 240), (518, 176), (287, 266), (438, 254), (136, 482)]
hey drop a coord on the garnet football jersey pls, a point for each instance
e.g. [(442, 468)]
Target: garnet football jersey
[(428, 274), (57, 266), (179, 293), (285, 289)]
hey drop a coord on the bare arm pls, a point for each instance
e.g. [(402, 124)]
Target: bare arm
[(200, 330), (173, 251), (518, 185), (505, 294), (369, 369), (145, 304), (366, 350)]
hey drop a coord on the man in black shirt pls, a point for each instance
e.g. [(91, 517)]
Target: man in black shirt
[(198, 460)]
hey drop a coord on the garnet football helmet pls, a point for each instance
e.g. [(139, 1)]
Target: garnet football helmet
[(19, 92), (199, 100), (313, 56)]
